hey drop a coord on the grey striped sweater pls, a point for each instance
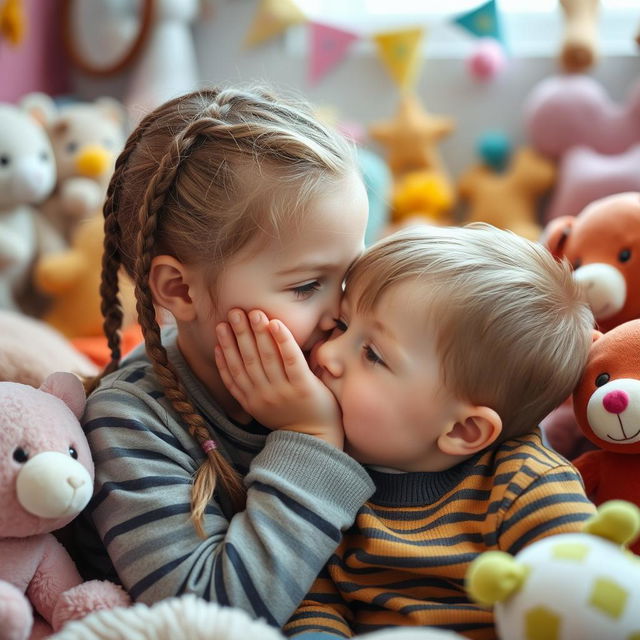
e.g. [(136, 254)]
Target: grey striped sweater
[(301, 494)]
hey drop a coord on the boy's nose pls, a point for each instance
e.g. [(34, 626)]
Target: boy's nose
[(327, 357)]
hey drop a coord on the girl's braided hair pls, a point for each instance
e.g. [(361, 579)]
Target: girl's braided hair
[(199, 178)]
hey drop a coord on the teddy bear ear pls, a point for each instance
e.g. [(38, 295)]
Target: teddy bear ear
[(556, 234), (40, 107), (111, 108), (68, 388)]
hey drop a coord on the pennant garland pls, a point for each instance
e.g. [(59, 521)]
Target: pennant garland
[(399, 50), (482, 22), (271, 19), (401, 53), (12, 21), (329, 46)]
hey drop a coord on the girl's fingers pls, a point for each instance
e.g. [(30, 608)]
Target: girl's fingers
[(267, 347), (247, 347), (227, 378), (295, 366), (233, 363)]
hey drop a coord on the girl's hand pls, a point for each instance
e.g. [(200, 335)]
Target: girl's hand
[(266, 372)]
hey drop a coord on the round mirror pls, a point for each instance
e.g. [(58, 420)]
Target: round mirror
[(102, 37)]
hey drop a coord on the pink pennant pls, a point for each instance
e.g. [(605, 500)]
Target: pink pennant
[(328, 46)]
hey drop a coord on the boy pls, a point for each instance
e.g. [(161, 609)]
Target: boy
[(451, 346)]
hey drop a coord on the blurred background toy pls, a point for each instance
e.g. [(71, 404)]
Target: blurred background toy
[(487, 61), (579, 49), (30, 350), (571, 586), (86, 139), (72, 280), (508, 199), (607, 407), (27, 177), (46, 480), (561, 112), (410, 139)]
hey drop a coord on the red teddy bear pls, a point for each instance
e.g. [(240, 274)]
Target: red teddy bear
[(607, 407), (603, 244)]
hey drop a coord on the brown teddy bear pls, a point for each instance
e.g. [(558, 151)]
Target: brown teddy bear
[(86, 139), (607, 407)]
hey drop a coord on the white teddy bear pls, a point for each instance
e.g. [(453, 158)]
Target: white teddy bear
[(27, 177)]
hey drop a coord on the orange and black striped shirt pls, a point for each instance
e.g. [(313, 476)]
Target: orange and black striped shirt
[(404, 560)]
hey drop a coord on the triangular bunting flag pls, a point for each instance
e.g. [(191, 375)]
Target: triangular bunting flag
[(328, 47), (401, 53), (482, 22), (271, 19)]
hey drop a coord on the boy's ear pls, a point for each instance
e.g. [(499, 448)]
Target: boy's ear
[(169, 281), (477, 428)]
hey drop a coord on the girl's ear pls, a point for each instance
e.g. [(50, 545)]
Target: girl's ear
[(170, 282), (476, 429)]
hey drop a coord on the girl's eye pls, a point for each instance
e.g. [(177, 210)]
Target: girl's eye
[(306, 290), (371, 356)]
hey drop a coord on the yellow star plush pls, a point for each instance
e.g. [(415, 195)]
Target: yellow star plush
[(411, 137)]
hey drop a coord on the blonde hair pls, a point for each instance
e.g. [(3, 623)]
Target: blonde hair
[(199, 178), (513, 329)]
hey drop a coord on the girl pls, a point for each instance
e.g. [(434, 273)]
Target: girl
[(221, 199)]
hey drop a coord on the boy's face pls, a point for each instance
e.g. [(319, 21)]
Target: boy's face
[(384, 370)]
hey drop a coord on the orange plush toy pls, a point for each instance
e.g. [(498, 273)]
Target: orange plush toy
[(603, 244), (607, 407)]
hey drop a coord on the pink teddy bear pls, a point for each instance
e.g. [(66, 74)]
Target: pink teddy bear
[(46, 479)]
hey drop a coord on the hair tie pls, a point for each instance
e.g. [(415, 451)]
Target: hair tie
[(208, 445)]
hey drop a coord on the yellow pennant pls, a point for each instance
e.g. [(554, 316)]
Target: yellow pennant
[(271, 19), (401, 53)]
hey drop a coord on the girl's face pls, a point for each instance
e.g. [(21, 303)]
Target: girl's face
[(297, 278)]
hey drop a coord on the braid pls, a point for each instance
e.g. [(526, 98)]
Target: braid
[(110, 305), (215, 466)]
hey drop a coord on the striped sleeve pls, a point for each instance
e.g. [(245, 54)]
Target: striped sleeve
[(323, 610), (543, 505), (263, 559)]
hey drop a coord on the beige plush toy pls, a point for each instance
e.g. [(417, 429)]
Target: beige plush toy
[(72, 279), (86, 139), (509, 199), (579, 45)]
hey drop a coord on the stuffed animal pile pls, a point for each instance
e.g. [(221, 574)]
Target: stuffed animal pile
[(46, 479)]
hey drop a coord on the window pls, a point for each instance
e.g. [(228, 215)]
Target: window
[(530, 27)]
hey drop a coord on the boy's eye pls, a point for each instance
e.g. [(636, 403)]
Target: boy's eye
[(340, 325), (304, 291), (371, 356)]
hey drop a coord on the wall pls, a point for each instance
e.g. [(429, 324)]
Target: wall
[(38, 62), (361, 90)]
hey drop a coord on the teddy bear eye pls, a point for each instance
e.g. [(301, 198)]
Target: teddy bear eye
[(44, 156), (72, 147), (73, 453), (5, 160), (20, 455), (624, 255), (602, 379)]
